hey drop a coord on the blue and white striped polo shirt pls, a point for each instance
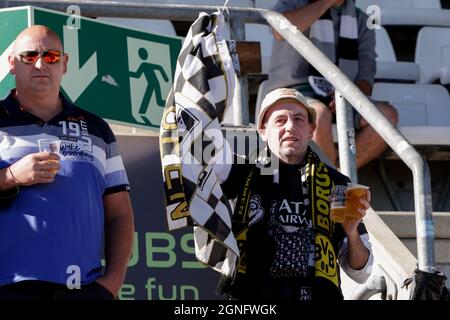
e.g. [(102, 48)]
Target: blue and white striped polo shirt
[(49, 227)]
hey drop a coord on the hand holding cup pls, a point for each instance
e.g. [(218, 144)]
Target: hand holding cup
[(358, 198), (50, 146)]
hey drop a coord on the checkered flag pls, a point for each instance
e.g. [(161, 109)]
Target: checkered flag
[(202, 91)]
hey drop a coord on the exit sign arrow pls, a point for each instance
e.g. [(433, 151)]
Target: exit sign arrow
[(77, 78)]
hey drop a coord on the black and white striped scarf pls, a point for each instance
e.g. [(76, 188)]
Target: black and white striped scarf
[(344, 53)]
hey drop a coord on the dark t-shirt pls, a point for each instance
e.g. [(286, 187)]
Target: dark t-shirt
[(291, 228)]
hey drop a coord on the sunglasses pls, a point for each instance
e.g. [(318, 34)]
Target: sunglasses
[(49, 56)]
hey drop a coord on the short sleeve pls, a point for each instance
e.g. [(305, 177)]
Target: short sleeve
[(115, 176)]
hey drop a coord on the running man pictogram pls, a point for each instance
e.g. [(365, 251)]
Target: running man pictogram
[(149, 71)]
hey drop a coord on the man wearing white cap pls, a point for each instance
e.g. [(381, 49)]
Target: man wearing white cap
[(289, 247)]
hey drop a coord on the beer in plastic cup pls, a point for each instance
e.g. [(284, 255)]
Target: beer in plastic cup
[(337, 214), (338, 203), (50, 145), (354, 193)]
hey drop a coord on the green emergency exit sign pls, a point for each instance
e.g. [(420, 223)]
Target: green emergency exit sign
[(118, 73)]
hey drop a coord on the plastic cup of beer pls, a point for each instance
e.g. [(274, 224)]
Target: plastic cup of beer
[(338, 203), (355, 192), (50, 145)]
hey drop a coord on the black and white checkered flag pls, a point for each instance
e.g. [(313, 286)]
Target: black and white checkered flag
[(193, 147)]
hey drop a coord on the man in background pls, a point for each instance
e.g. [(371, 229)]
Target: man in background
[(339, 30)]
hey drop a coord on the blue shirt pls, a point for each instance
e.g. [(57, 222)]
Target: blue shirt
[(48, 228)]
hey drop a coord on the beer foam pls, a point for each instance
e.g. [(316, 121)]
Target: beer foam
[(356, 186)]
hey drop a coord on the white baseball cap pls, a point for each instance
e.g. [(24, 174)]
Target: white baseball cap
[(285, 93)]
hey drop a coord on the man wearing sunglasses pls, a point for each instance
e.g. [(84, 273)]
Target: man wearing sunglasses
[(56, 209)]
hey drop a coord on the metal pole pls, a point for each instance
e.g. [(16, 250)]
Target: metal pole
[(240, 108), (419, 167), (375, 284), (137, 10), (346, 138)]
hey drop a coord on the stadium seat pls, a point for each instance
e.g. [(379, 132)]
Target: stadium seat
[(163, 27), (424, 111), (388, 68), (433, 54)]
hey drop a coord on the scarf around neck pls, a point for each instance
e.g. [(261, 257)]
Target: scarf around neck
[(316, 186), (343, 51)]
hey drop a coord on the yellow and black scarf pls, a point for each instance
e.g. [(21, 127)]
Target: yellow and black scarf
[(317, 184)]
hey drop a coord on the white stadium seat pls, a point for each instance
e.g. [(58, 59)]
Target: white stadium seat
[(424, 110), (388, 68), (433, 54)]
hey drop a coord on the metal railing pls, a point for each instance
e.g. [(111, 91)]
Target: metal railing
[(156, 10), (238, 17)]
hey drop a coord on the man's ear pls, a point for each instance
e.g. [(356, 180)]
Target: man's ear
[(65, 62), (312, 128), (262, 133), (12, 64)]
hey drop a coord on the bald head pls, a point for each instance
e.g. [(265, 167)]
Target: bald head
[(34, 33), (39, 80)]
